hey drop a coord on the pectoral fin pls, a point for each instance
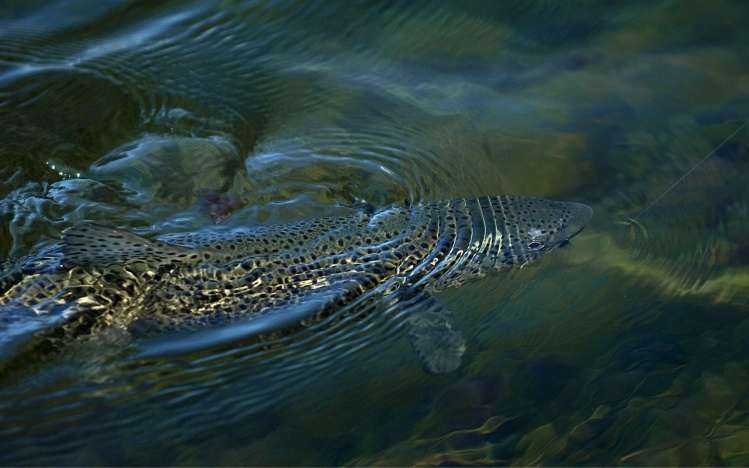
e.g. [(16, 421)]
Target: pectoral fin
[(435, 336)]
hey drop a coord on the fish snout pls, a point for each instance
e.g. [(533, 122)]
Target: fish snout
[(579, 217)]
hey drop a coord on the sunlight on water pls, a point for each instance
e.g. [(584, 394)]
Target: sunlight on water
[(625, 347)]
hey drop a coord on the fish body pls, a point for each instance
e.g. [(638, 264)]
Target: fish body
[(101, 277)]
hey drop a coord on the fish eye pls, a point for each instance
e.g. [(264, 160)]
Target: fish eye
[(535, 244)]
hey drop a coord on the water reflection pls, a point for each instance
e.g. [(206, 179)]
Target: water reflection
[(627, 347)]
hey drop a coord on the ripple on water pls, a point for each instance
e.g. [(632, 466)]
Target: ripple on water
[(156, 171), (316, 107), (70, 117), (89, 390)]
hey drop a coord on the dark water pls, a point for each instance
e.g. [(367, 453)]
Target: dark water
[(627, 347)]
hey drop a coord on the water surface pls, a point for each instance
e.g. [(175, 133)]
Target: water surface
[(626, 347)]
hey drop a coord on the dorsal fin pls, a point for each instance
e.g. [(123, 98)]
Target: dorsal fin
[(93, 244)]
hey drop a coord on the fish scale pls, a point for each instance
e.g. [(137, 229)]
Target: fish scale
[(101, 277)]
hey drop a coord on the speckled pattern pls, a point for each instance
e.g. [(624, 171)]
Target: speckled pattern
[(101, 276)]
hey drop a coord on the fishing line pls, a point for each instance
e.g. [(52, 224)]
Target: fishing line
[(632, 220)]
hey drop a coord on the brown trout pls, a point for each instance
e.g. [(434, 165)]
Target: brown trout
[(101, 277)]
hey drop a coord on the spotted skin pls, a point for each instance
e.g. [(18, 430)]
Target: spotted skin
[(102, 277)]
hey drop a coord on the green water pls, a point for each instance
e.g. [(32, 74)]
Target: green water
[(627, 347)]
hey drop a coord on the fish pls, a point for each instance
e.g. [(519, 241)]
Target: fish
[(289, 275)]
